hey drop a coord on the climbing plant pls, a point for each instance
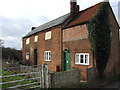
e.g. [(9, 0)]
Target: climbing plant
[(99, 36)]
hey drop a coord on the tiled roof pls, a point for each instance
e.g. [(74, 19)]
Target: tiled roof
[(80, 17), (47, 25), (83, 16)]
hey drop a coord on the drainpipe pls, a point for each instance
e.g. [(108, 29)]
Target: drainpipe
[(93, 59), (62, 58)]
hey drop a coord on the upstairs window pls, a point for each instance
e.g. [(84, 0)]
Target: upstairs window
[(48, 35), (47, 56), (36, 38), (82, 58), (27, 40)]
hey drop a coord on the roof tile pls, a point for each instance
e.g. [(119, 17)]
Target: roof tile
[(47, 25), (84, 15)]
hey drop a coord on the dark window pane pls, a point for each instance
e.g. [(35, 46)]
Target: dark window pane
[(81, 61), (86, 58), (47, 55), (81, 56)]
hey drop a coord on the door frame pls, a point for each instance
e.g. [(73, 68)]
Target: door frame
[(35, 56), (67, 58)]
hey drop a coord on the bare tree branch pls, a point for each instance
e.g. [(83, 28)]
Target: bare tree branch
[(1, 42)]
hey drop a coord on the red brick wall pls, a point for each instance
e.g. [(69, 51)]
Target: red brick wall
[(112, 65), (29, 48), (76, 40), (42, 45), (52, 45), (75, 33), (23, 51)]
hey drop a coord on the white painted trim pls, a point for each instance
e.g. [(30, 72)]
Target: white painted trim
[(48, 35), (48, 57), (27, 40), (83, 58), (36, 38)]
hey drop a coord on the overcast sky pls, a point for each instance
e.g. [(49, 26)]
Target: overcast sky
[(18, 16)]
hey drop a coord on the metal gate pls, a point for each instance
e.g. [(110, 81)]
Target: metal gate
[(24, 77)]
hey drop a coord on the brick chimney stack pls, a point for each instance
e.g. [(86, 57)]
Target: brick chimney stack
[(74, 7)]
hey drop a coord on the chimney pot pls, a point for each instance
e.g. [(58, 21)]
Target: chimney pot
[(78, 7), (74, 6), (73, 0), (33, 28)]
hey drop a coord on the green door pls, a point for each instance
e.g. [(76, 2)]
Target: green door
[(66, 60)]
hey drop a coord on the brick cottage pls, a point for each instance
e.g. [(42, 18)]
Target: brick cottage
[(63, 43)]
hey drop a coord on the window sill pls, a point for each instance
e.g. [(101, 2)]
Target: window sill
[(36, 42), (47, 60), (81, 64)]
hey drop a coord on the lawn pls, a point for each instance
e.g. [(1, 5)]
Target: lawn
[(14, 78)]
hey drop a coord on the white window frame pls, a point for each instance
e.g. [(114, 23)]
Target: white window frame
[(78, 56), (27, 40), (48, 35), (47, 56), (27, 56), (36, 38)]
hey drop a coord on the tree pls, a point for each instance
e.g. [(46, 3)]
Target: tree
[(1, 42), (11, 54), (99, 27)]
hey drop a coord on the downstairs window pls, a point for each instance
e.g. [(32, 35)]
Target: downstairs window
[(47, 56), (82, 58)]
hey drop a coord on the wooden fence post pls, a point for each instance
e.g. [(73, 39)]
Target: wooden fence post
[(46, 76)]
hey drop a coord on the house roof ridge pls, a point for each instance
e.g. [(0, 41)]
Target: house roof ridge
[(91, 6), (52, 20)]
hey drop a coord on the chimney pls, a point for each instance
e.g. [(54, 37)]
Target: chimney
[(78, 7), (74, 7), (33, 28)]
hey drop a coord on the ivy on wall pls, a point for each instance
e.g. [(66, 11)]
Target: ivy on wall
[(99, 36)]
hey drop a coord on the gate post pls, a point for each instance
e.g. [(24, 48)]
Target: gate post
[(46, 76), (42, 76)]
